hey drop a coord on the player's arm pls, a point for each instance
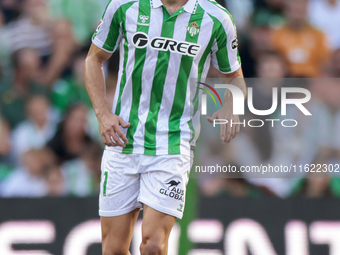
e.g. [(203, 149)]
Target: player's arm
[(228, 132), (109, 124), (225, 59)]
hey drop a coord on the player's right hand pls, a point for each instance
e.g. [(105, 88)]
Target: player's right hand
[(109, 127)]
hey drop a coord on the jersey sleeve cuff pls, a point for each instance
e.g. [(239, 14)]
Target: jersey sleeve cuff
[(100, 44), (232, 69)]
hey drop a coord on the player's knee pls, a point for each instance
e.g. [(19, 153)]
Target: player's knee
[(114, 251), (151, 247)]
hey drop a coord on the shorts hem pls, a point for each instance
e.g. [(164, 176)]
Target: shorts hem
[(162, 209), (117, 212)]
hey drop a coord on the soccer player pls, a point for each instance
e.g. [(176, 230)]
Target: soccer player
[(152, 129)]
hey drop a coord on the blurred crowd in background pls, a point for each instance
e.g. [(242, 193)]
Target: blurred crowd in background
[(49, 139)]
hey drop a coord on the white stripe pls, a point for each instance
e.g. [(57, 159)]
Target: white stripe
[(203, 39), (104, 29), (156, 16), (120, 74), (162, 138), (228, 27), (126, 99)]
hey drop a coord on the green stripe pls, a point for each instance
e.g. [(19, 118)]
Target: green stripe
[(222, 52), (140, 54), (181, 88), (118, 17), (232, 20), (95, 33), (123, 79), (238, 53), (105, 183), (158, 86), (219, 6), (200, 70)]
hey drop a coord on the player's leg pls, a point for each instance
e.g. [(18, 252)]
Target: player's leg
[(162, 192), (117, 233), (156, 229), (118, 204)]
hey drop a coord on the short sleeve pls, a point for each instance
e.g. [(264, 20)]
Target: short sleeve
[(109, 32), (225, 57)]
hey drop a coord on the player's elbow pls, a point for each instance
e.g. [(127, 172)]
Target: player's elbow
[(92, 59)]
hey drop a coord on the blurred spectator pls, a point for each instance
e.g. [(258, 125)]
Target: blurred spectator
[(5, 148), (10, 9), (83, 14), (271, 69), (53, 40), (26, 63), (270, 13), (303, 47), (233, 185), (71, 136), (259, 41), (27, 181), (1, 19), (3, 56), (325, 15), (55, 181), (336, 63), (83, 175), (71, 90), (328, 90), (240, 187), (36, 130), (210, 187), (317, 185), (241, 11), (271, 64), (0, 71), (4, 137)]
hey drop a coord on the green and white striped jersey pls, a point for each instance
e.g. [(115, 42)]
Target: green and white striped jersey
[(159, 55)]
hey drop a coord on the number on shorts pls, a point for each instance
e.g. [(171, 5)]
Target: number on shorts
[(105, 183)]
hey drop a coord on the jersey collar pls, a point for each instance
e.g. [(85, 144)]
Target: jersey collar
[(189, 7)]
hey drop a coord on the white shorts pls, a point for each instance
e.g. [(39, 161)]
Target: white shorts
[(130, 180)]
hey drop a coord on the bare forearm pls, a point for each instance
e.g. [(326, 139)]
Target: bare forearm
[(238, 82), (228, 132), (236, 79), (95, 85), (55, 67)]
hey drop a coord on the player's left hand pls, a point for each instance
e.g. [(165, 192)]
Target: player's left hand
[(228, 132)]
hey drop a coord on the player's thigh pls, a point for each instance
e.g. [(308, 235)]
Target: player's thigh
[(156, 228), (163, 183), (117, 233), (120, 184)]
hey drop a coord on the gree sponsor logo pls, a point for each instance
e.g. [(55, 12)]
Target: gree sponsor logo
[(141, 40)]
